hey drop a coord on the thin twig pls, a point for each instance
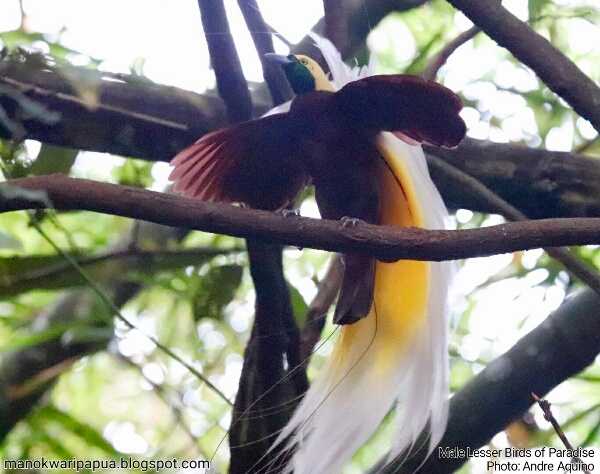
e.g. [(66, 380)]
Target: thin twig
[(581, 269), (548, 416), (438, 61)]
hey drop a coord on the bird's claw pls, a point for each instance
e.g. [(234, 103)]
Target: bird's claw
[(290, 213), (350, 221)]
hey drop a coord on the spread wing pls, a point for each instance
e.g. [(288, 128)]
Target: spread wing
[(422, 110), (256, 163)]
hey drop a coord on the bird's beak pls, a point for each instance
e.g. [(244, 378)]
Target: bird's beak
[(278, 58)]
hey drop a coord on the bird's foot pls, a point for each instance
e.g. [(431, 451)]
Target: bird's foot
[(290, 213), (350, 221)]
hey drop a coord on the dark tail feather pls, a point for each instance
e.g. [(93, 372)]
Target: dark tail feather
[(356, 294)]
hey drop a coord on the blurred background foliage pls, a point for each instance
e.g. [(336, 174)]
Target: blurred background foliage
[(120, 395)]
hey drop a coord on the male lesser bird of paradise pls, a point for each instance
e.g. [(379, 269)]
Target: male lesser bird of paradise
[(391, 349)]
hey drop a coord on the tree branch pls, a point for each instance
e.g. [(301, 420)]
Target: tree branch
[(440, 59), (540, 183), (557, 71), (226, 63), (576, 266), (51, 272), (362, 17), (131, 117), (264, 381), (138, 121), (263, 42), (336, 23), (382, 242), (316, 315)]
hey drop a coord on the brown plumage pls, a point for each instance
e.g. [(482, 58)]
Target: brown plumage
[(327, 138)]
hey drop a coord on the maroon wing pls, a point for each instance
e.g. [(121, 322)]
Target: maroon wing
[(422, 110), (256, 163)]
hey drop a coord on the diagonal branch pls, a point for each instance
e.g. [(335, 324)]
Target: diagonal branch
[(540, 183), (440, 59), (316, 315), (557, 71), (382, 242), (572, 263)]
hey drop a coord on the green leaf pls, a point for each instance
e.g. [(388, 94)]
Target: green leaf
[(216, 289), (299, 306), (536, 7), (90, 435), (53, 159), (23, 339)]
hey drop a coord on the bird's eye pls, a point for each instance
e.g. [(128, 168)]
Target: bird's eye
[(304, 61)]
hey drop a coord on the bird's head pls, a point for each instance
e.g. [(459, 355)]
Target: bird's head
[(302, 72)]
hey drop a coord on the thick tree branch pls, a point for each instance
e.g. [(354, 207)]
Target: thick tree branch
[(557, 71), (130, 117), (382, 242), (264, 382), (269, 390), (540, 183), (144, 120), (263, 42)]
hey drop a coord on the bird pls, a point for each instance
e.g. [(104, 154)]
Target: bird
[(355, 142)]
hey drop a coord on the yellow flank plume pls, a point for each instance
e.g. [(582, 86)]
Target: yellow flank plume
[(401, 288)]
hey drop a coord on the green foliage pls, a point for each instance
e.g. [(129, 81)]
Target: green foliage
[(215, 290), (52, 159)]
